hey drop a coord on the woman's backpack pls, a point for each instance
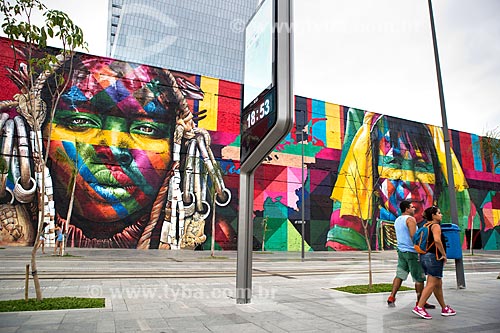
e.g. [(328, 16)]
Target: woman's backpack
[(422, 242)]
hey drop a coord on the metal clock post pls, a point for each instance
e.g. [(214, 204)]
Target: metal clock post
[(267, 115)]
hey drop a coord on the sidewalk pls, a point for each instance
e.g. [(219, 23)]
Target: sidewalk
[(177, 291)]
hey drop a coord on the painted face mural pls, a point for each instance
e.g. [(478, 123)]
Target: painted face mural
[(121, 134), (114, 129), (126, 137), (406, 167), (388, 160)]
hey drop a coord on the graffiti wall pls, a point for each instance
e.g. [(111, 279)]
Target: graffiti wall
[(154, 156)]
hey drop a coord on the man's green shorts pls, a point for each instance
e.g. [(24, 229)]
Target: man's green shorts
[(408, 263)]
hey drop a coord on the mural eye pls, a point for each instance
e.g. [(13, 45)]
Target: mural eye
[(422, 165), (150, 129), (80, 122), (395, 161)]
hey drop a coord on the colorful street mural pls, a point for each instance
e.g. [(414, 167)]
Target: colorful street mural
[(152, 149)]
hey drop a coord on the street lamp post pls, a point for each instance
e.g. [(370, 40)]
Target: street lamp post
[(459, 265), (303, 199)]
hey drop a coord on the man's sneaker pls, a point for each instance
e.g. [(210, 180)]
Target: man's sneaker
[(391, 302), (448, 311), (421, 312), (427, 305)]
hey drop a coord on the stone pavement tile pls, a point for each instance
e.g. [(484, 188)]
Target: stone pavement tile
[(347, 318), (296, 325), (471, 327), (286, 298), (181, 311), (131, 325), (240, 328), (269, 327), (315, 308), (12, 319), (236, 318), (45, 318), (140, 324), (156, 305), (31, 329), (142, 314), (118, 305), (105, 326), (489, 331), (135, 306), (215, 320), (86, 326), (156, 323), (214, 310), (186, 324), (297, 314), (266, 306), (248, 308), (80, 315), (323, 312), (264, 316)]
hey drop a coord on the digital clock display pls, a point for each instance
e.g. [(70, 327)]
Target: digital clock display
[(256, 120)]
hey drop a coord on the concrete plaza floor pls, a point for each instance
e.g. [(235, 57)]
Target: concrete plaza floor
[(185, 291)]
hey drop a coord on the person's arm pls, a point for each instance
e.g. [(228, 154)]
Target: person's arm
[(411, 223), (436, 232)]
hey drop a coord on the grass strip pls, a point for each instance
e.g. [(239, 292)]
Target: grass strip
[(376, 288), (56, 303), (214, 257)]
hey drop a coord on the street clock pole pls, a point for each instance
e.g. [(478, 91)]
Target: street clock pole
[(266, 116)]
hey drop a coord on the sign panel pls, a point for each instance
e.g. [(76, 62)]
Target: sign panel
[(259, 52)]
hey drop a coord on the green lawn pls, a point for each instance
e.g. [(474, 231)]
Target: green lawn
[(57, 303), (376, 288), (214, 258)]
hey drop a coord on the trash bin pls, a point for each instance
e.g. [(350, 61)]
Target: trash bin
[(451, 240)]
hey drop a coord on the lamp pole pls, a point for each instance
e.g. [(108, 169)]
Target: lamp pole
[(303, 199), (459, 265)]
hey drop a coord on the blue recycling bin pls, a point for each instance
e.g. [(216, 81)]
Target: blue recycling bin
[(451, 240)]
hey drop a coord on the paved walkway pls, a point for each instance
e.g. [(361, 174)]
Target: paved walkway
[(177, 291)]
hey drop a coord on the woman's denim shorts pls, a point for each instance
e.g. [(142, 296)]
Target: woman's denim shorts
[(432, 266)]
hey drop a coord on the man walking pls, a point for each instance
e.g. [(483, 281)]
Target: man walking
[(406, 226)]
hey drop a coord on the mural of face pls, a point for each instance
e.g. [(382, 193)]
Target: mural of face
[(406, 172), (391, 160), (112, 127)]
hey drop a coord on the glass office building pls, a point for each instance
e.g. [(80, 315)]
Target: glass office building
[(196, 36)]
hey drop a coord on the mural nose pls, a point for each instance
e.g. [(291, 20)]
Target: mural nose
[(122, 156)]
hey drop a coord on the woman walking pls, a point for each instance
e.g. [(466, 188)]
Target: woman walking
[(432, 263)]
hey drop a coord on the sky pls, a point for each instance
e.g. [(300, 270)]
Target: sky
[(378, 55)]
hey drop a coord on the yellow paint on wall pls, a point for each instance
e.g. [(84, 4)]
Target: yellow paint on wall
[(333, 131), (109, 138), (407, 175), (495, 213), (210, 103)]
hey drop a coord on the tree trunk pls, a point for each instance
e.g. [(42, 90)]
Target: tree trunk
[(34, 273), (264, 222), (367, 239), (70, 211), (41, 211)]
